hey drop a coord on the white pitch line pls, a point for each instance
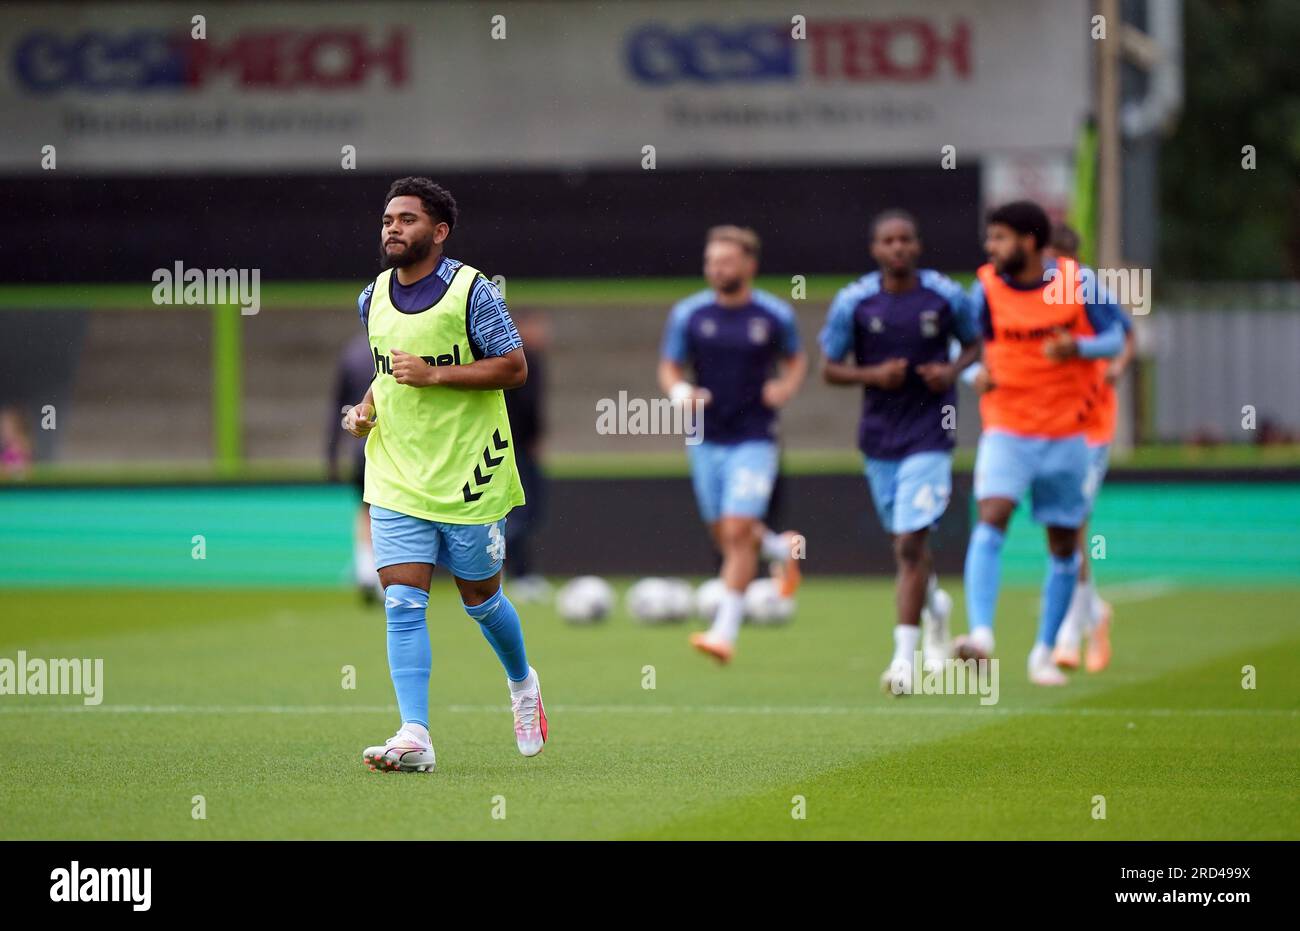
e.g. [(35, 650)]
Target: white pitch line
[(760, 710), (1139, 590)]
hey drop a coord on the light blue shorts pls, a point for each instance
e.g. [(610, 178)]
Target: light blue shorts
[(1098, 463), (912, 492), (732, 479), (1053, 471), (467, 551)]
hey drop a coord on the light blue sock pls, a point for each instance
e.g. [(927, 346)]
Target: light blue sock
[(1058, 589), (983, 572), (410, 657), (499, 621)]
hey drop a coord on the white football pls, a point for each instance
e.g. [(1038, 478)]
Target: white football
[(680, 598), (659, 601), (587, 599), (707, 598), (764, 604)]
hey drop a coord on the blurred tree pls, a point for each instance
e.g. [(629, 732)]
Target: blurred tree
[(1218, 219)]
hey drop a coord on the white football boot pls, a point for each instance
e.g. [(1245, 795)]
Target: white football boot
[(401, 753), (530, 716), (897, 679), (1042, 671), (936, 646)]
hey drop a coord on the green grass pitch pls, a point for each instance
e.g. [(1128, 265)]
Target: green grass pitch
[(237, 697)]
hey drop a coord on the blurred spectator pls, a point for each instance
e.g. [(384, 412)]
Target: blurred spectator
[(356, 369), (15, 443), (1272, 433)]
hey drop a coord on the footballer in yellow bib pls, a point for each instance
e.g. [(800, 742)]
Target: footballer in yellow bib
[(440, 463)]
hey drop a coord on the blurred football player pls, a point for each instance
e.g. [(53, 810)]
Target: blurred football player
[(1088, 615), (1042, 332), (355, 371), (898, 325), (743, 347)]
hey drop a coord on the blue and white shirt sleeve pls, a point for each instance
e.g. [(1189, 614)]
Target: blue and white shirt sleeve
[(1109, 323), (363, 305), (977, 320), (673, 346), (977, 310), (491, 330), (836, 336)]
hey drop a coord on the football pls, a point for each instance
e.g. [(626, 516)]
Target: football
[(588, 599), (659, 601), (764, 604)]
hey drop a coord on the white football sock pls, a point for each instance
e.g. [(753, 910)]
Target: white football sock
[(731, 611), (931, 587), (417, 732), (982, 637), (906, 637), (775, 546), (1067, 638), (1097, 607), (526, 685), (1080, 610)]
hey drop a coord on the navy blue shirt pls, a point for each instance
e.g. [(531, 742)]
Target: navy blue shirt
[(917, 325), (733, 350)]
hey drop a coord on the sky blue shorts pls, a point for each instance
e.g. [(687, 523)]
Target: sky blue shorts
[(912, 492), (732, 479), (1098, 463), (1053, 471), (467, 551)]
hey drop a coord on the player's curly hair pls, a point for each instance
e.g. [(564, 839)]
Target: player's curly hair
[(1026, 218), (437, 200)]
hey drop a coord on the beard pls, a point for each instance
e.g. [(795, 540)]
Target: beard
[(732, 286), (1013, 264), (414, 253)]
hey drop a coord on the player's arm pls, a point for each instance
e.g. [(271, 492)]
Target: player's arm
[(974, 320), (791, 371), (940, 376), (359, 419), (487, 374), (836, 339), (1108, 323), (673, 380), (499, 362), (673, 355)]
